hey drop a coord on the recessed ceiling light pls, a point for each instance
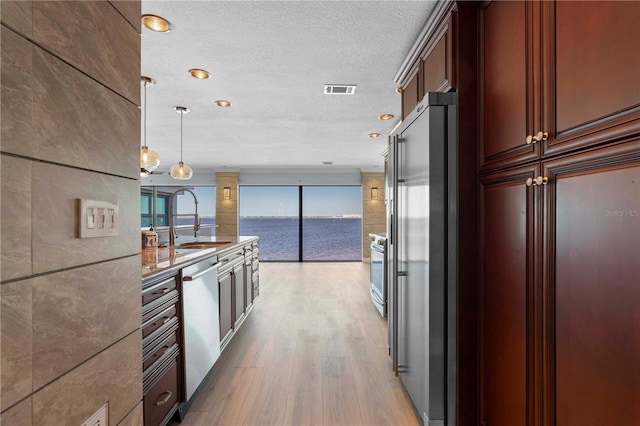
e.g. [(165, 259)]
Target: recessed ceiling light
[(156, 23), (374, 135), (386, 117), (223, 104), (198, 73), (327, 163)]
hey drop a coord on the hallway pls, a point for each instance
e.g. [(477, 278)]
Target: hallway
[(312, 352)]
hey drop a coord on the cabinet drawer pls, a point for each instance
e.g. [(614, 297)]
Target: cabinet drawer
[(161, 400), (158, 321), (164, 347), (158, 290), (160, 305)]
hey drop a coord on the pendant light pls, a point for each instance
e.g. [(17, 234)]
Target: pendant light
[(181, 171), (149, 159)]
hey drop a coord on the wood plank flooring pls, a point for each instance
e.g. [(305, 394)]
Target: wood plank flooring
[(312, 352)]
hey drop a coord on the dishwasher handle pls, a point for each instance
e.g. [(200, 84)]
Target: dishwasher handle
[(201, 273)]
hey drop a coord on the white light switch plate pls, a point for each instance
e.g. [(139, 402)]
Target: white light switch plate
[(99, 418), (98, 219)]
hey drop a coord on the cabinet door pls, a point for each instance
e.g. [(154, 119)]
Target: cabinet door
[(238, 285), (437, 61), (592, 288), (592, 74), (226, 312), (507, 82), (410, 95), (506, 296)]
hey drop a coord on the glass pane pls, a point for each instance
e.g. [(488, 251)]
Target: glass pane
[(332, 223), (145, 204), (271, 212)]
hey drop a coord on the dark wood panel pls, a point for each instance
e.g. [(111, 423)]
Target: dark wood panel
[(593, 287), (595, 47), (410, 96), (506, 296), (506, 83), (464, 30), (436, 62)]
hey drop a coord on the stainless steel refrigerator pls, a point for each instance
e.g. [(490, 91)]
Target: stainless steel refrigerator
[(422, 170)]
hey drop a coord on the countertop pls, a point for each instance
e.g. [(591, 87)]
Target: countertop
[(161, 260)]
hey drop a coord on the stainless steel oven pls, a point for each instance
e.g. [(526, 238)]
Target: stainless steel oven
[(378, 272)]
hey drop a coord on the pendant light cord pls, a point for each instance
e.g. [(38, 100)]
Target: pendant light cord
[(145, 115), (181, 114)]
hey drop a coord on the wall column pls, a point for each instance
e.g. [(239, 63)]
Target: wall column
[(227, 210), (373, 211)]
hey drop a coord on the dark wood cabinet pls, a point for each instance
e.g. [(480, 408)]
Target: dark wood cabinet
[(591, 284), (559, 90), (556, 77), (434, 70), (161, 349), (411, 94), (161, 399), (591, 53), (437, 61), (507, 83), (506, 295)]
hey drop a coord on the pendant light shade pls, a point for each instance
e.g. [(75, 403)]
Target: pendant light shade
[(181, 171), (149, 159)]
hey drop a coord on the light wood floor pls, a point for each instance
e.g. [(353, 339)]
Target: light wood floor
[(312, 352)]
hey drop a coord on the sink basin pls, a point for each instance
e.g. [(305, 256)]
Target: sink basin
[(203, 244)]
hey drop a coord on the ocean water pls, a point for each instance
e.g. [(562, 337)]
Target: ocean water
[(337, 239)]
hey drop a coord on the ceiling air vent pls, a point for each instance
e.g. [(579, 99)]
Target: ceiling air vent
[(339, 89)]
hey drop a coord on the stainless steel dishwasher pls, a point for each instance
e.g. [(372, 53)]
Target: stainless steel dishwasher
[(200, 307)]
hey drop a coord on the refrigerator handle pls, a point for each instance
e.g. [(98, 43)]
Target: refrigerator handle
[(395, 240)]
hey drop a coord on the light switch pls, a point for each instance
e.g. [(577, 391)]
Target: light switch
[(91, 220), (98, 219)]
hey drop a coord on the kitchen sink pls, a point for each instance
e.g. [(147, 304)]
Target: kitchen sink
[(203, 244)]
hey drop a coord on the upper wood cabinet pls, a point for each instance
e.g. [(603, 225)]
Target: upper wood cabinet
[(556, 77), (434, 69), (411, 94), (436, 61), (591, 73), (507, 83)]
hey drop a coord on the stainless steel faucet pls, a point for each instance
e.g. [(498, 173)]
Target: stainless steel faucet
[(172, 227)]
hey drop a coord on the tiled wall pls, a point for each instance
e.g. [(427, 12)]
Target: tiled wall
[(227, 210), (70, 314), (373, 211)]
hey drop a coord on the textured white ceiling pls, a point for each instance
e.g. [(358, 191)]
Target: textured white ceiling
[(270, 59)]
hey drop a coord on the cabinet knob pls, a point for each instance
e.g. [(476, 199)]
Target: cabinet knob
[(538, 137), (537, 181)]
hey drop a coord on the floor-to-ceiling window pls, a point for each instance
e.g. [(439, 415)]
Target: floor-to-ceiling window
[(331, 223), (303, 223), (272, 213)]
